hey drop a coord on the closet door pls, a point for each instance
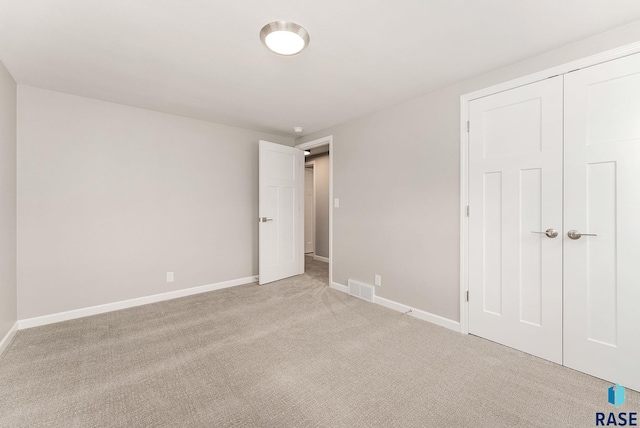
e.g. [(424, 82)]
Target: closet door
[(515, 196), (602, 207)]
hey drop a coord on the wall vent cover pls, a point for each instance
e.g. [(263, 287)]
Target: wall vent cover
[(361, 290)]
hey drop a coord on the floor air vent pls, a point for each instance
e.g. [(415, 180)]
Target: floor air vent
[(361, 290)]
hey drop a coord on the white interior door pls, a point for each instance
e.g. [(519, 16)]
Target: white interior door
[(515, 189), (281, 171), (602, 197), (309, 208)]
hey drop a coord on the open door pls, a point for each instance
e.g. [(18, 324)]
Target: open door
[(280, 212)]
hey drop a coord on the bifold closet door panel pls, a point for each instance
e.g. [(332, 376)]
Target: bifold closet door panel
[(602, 207)]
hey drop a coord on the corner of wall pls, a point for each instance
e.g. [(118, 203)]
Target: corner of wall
[(7, 340), (8, 198)]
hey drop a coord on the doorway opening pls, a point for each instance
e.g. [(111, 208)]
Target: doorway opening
[(309, 209), (318, 209)]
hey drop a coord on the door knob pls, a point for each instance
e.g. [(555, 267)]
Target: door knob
[(574, 234), (264, 219), (551, 233)]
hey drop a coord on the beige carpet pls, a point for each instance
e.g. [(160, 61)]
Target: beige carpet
[(290, 354)]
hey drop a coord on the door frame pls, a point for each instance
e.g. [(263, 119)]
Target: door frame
[(465, 99), (328, 140), (313, 167)]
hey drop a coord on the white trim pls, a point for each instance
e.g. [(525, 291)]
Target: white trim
[(417, 313), (124, 304), (321, 259), (8, 338), (340, 287), (317, 143), (465, 99), (464, 220)]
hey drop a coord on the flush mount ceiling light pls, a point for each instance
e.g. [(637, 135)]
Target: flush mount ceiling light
[(284, 37)]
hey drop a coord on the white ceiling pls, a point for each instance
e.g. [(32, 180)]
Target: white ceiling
[(204, 58)]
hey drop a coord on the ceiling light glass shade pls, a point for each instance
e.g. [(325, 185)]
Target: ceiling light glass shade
[(284, 38), (307, 152)]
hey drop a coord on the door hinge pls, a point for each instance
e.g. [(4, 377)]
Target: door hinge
[(467, 295), (467, 210), (468, 126)]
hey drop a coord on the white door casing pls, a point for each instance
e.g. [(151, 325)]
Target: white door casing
[(309, 210), (280, 215), (515, 188), (602, 197)]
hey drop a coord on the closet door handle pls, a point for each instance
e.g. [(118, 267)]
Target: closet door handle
[(551, 233), (574, 234)]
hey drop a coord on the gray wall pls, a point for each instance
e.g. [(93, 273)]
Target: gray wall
[(110, 198), (7, 201), (321, 172), (396, 173)]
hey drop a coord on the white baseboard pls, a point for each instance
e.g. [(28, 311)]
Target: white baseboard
[(8, 338), (321, 259), (340, 287), (417, 313), (124, 304)]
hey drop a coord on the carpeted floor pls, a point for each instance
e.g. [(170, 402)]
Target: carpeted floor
[(294, 353)]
